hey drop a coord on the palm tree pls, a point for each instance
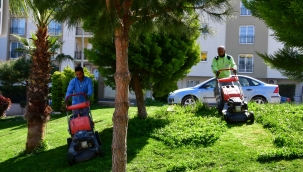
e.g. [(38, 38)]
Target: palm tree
[(38, 111)]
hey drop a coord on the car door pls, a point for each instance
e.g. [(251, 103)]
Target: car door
[(206, 92), (248, 87)]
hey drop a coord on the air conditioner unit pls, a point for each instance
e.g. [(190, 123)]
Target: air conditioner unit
[(272, 81)]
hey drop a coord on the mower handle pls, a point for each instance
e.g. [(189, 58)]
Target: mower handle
[(224, 70), (76, 94)]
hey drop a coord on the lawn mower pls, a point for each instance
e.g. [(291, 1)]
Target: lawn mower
[(230, 101), (84, 143)]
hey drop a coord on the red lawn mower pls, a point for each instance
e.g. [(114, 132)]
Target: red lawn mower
[(231, 102), (84, 143)]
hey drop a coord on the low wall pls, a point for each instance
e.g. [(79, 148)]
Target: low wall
[(14, 110)]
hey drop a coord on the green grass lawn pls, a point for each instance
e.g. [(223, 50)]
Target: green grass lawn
[(186, 139)]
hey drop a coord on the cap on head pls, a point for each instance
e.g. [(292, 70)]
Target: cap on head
[(221, 51), (221, 47)]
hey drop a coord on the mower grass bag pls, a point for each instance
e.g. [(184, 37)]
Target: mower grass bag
[(80, 123)]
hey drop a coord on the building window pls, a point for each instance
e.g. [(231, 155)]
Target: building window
[(244, 11), (203, 56), (192, 83), (18, 26), (247, 34), (13, 49), (246, 63), (54, 28)]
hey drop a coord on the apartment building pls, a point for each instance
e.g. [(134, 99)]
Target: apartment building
[(74, 39), (242, 37)]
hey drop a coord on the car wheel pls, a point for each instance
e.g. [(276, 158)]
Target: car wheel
[(189, 100), (259, 100)]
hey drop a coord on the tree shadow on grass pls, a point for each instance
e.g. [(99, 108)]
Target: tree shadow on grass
[(139, 131), (54, 160), (12, 122)]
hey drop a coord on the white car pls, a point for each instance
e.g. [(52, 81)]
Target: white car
[(253, 89)]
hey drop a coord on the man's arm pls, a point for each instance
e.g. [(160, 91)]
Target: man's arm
[(90, 87), (214, 66), (70, 88)]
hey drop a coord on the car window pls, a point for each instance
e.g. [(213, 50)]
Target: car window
[(244, 82), (254, 83), (211, 84), (248, 82)]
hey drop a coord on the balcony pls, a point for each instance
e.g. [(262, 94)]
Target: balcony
[(14, 54), (54, 31), (78, 55), (17, 30), (79, 31)]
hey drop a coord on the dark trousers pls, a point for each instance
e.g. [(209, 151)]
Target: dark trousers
[(217, 91), (81, 112)]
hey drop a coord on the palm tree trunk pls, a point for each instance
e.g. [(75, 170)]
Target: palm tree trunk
[(34, 134), (120, 116), (38, 111), (139, 96)]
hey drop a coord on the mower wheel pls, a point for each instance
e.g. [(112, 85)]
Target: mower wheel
[(98, 138), (100, 152), (251, 117), (69, 141), (226, 118), (70, 159)]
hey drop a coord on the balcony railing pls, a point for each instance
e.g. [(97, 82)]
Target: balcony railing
[(17, 30), (54, 31), (78, 55), (79, 31), (14, 54)]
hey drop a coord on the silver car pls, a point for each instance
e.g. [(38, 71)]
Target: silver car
[(253, 89)]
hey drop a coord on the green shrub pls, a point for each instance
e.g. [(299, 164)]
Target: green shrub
[(285, 123), (57, 94), (189, 128)]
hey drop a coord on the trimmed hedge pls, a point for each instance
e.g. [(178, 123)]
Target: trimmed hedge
[(287, 90), (15, 93)]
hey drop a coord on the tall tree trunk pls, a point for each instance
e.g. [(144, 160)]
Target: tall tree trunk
[(120, 116), (139, 96), (38, 111)]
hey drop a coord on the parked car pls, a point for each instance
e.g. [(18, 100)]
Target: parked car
[(253, 89)]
